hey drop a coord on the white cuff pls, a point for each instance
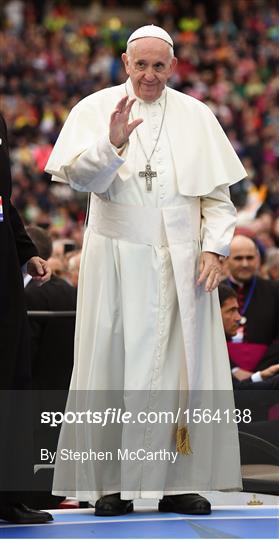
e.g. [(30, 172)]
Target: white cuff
[(118, 150), (256, 377)]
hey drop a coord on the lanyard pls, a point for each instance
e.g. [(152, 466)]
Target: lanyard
[(249, 295)]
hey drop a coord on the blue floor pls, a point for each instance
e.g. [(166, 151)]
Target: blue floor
[(222, 523)]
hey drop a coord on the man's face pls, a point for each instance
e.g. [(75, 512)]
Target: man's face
[(243, 261), (149, 65), (231, 316)]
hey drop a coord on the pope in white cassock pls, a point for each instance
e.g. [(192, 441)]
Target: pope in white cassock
[(158, 166)]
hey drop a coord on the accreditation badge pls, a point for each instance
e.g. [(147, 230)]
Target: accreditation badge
[(1, 210)]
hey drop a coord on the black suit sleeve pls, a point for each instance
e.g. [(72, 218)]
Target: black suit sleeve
[(245, 384), (24, 245), (272, 383), (271, 356)]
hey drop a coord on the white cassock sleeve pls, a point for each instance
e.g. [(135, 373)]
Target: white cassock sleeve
[(218, 216), (95, 169), (83, 155)]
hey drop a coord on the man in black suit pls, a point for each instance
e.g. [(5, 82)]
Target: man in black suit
[(17, 250), (263, 383), (52, 355)]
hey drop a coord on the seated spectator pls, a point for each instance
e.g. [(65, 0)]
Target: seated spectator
[(256, 343), (265, 382)]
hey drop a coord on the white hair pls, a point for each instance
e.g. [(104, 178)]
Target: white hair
[(131, 46)]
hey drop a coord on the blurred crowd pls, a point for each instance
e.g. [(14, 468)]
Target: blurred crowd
[(53, 54)]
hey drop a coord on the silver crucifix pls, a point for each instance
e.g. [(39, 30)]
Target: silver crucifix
[(148, 174)]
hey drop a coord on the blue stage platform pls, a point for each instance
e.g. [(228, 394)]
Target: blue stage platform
[(233, 522)]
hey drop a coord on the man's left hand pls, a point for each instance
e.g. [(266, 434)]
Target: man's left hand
[(210, 270), (39, 270)]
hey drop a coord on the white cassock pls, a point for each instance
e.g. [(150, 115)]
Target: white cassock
[(142, 323)]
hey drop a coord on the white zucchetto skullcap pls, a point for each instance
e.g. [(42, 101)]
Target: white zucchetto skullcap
[(150, 31)]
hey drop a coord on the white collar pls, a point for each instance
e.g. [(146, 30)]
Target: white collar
[(238, 283)]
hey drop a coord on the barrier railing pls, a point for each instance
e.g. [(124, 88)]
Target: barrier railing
[(49, 314)]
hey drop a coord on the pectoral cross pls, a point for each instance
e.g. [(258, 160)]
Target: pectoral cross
[(148, 174)]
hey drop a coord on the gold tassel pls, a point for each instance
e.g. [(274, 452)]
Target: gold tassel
[(183, 441)]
